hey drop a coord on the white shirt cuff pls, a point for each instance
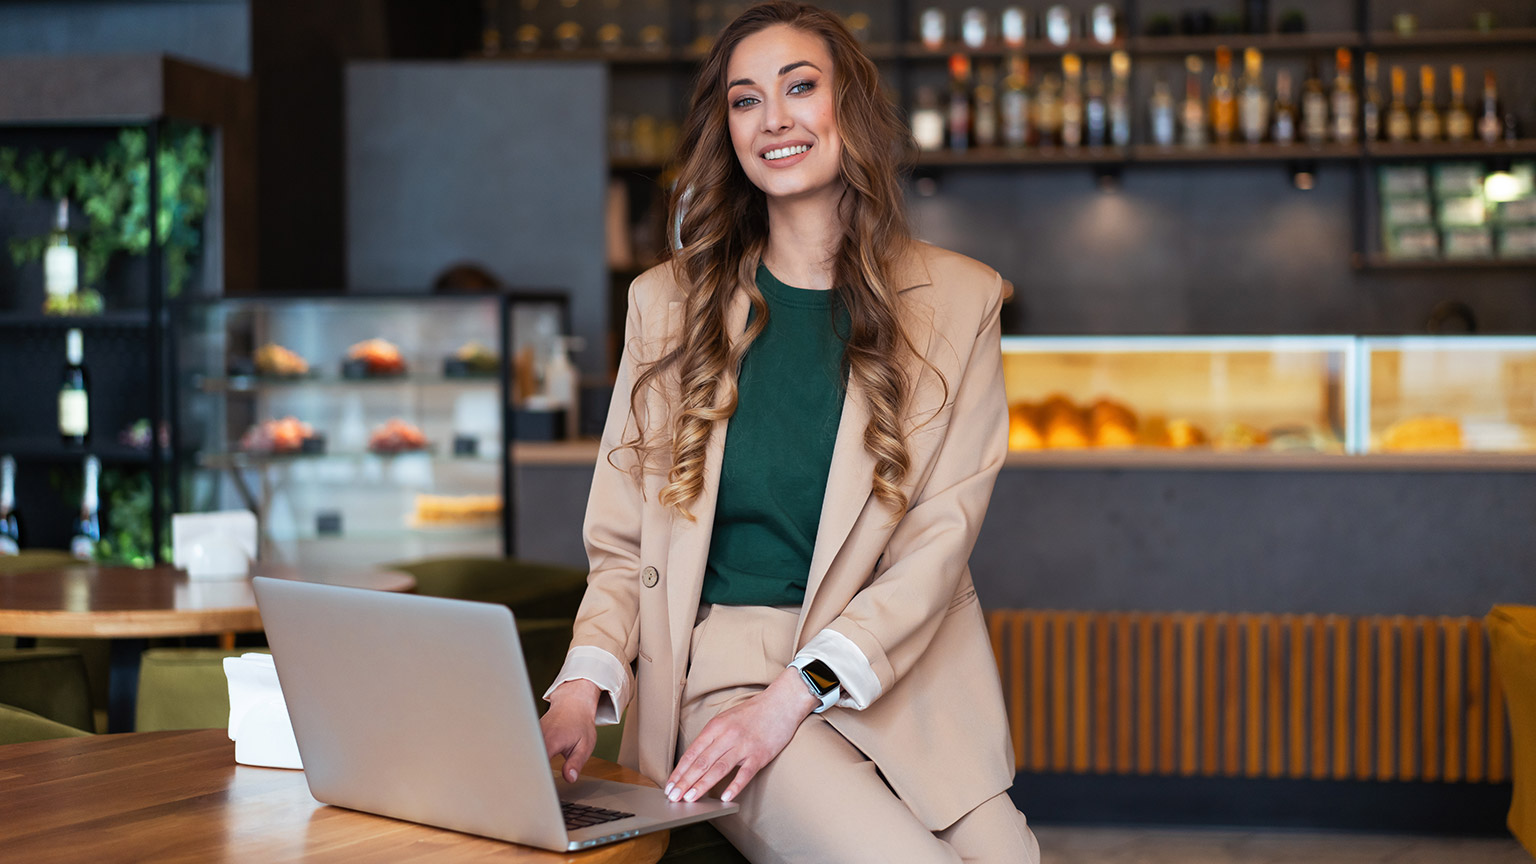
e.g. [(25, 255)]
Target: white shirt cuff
[(859, 683), (603, 669)]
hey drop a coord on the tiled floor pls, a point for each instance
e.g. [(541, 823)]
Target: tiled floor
[(1075, 845)]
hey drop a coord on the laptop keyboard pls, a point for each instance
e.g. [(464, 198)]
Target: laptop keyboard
[(583, 816)]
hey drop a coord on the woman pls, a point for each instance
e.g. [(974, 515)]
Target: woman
[(791, 481)]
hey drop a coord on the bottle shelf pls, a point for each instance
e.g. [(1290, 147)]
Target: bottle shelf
[(1451, 149), (125, 320), (1278, 43), (1383, 262), (45, 450), (1266, 151), (997, 50), (256, 384), (996, 156), (1503, 37), (237, 459)]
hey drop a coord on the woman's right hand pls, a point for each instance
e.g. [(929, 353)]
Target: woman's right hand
[(570, 724)]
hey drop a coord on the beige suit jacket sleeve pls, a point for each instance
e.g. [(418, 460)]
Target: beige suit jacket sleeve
[(894, 617)]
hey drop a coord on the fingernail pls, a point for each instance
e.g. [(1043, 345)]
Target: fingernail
[(693, 795), (673, 796), (727, 797), (668, 790)]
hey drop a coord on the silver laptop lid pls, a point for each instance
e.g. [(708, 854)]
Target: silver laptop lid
[(413, 707)]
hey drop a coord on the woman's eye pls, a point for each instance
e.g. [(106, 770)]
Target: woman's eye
[(744, 102), (803, 87)]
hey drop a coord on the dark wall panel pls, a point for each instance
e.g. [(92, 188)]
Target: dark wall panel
[(213, 32)]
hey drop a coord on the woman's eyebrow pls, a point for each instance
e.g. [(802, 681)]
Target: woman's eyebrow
[(782, 72)]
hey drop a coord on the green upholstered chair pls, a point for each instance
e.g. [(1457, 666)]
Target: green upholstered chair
[(35, 559), (182, 688), (1512, 630), (49, 683), (530, 589), (18, 726)]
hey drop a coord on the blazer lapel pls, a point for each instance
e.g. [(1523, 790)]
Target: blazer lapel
[(849, 482), (689, 543)]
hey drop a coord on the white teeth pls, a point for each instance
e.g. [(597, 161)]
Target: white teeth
[(780, 153)]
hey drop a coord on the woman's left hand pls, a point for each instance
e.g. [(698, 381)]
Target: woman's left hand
[(745, 737)]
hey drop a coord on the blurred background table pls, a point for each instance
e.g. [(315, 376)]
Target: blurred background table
[(129, 605), (159, 796)]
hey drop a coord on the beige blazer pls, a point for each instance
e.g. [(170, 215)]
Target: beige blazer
[(900, 591)]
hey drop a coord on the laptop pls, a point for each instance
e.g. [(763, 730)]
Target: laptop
[(419, 708)]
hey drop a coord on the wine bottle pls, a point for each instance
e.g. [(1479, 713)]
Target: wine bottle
[(1371, 108), (959, 114), (1071, 101), (1489, 126), (10, 528), (87, 529), (74, 394), (1427, 122), (1223, 111), (1120, 99), (61, 265), (1399, 121), (1193, 112), (1253, 104), (1096, 109), (1345, 102), (984, 124), (1458, 121), (1314, 106), (1285, 109), (1015, 103)]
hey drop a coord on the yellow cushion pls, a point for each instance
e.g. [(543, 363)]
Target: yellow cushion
[(1513, 632), (182, 688)]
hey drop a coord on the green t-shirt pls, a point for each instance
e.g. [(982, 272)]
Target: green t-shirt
[(778, 450)]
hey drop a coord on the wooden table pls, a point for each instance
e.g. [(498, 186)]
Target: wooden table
[(129, 605), (179, 796)]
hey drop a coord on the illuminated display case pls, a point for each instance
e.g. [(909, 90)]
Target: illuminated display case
[(1458, 394)]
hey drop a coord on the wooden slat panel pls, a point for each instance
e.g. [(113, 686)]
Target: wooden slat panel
[(1300, 626), (1189, 692), (1429, 736), (1454, 635), (1364, 723), (1320, 667), (1060, 741), (1124, 705), (1232, 700), (1274, 678), (1255, 705), (1209, 677), (1101, 694), (1341, 665), (1144, 695), (1408, 698), (1021, 707), (1386, 662), (1038, 706), (1475, 699), (1166, 696), (1498, 731), (1080, 694)]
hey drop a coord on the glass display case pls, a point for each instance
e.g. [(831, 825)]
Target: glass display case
[(1153, 393), (1448, 394), (364, 429)]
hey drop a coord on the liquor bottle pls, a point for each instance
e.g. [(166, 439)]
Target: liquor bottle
[(86, 532), (985, 121), (61, 264), (10, 529), (1071, 101), (75, 393), (1223, 98), (1427, 122), (959, 113), (1193, 111), (928, 121), (1253, 102), (1399, 121), (1048, 111), (1096, 109), (1314, 107), (1120, 99), (1285, 109), (1345, 102), (1160, 114), (1458, 121), (1370, 109), (1015, 103), (1489, 126)]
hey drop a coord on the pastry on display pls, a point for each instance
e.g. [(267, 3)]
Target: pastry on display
[(1112, 424), (1183, 434), (1024, 427), (1064, 425), (274, 361), (285, 436), (373, 358), (450, 510), (1240, 436), (471, 359), (396, 436), (1425, 433)]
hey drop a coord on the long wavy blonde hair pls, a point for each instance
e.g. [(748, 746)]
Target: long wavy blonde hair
[(722, 231)]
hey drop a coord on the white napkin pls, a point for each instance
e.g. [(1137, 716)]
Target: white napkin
[(258, 716)]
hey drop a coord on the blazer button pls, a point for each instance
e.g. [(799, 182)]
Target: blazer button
[(649, 577)]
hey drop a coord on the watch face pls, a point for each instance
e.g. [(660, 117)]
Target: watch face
[(821, 675)]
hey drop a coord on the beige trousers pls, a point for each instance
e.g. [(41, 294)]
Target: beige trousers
[(821, 800)]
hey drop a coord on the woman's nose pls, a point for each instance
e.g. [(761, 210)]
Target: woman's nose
[(776, 118)]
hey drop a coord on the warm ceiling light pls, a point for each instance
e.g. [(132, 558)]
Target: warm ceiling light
[(1501, 186), (1304, 175)]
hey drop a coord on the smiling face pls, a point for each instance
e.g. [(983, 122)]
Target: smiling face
[(781, 112)]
